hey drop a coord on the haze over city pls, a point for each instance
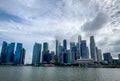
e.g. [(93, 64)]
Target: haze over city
[(31, 21)]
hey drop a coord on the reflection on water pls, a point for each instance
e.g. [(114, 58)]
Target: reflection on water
[(28, 73)]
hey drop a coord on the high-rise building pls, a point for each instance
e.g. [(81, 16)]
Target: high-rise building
[(107, 58), (73, 52), (10, 53), (99, 54), (36, 54), (18, 53), (45, 50), (78, 47), (57, 51), (65, 44), (93, 48), (87, 52), (4, 52), (84, 49), (22, 58)]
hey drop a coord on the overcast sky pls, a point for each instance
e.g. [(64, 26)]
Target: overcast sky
[(30, 21)]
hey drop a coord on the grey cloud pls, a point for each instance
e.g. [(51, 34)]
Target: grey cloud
[(96, 24)]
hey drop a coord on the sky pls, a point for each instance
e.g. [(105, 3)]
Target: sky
[(30, 21)]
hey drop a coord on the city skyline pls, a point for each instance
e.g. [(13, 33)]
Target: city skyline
[(60, 19)]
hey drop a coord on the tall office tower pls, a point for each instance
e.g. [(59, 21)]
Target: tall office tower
[(57, 51), (22, 58), (84, 49), (119, 56), (73, 52), (18, 53), (99, 55), (78, 47), (45, 50), (93, 48), (65, 44), (10, 53), (36, 54), (87, 52), (69, 53), (4, 52), (107, 58), (96, 53), (61, 50)]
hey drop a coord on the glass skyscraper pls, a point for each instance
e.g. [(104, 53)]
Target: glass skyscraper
[(57, 51), (84, 49), (36, 54), (107, 57), (18, 53), (4, 52), (10, 53), (65, 44), (93, 48), (22, 57)]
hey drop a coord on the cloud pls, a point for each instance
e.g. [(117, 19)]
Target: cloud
[(91, 27)]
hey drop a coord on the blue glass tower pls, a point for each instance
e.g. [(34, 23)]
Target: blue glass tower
[(84, 49), (10, 53), (36, 54), (18, 53), (45, 50), (22, 57), (107, 57), (4, 52), (65, 44)]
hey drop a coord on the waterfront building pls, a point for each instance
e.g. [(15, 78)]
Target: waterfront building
[(36, 54), (18, 53), (107, 58), (93, 48), (84, 54), (10, 54), (65, 44), (4, 52)]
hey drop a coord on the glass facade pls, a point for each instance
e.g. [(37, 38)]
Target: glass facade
[(18, 53), (10, 53), (36, 54), (4, 52)]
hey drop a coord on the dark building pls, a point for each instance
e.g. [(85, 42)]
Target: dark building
[(18, 53), (22, 58), (45, 50), (4, 52), (65, 44), (107, 58), (93, 48), (10, 53), (36, 54), (84, 49)]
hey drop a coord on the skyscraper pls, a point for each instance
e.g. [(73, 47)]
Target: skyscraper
[(4, 52), (65, 44), (99, 54), (79, 48), (107, 57), (22, 57), (84, 49), (36, 54), (10, 53), (93, 48), (73, 52), (45, 50), (57, 51), (18, 53)]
